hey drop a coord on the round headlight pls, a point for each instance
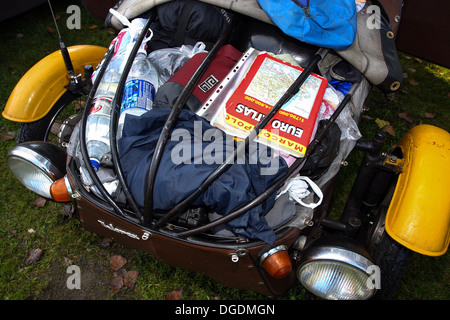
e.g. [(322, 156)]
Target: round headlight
[(336, 273), (37, 165)]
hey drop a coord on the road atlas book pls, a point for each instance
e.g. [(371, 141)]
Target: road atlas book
[(266, 80)]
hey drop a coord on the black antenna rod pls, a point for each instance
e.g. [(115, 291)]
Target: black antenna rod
[(62, 46)]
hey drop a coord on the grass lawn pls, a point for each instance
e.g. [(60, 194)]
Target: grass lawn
[(24, 226)]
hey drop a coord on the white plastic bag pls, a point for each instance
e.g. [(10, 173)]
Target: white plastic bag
[(347, 125), (298, 189), (168, 61)]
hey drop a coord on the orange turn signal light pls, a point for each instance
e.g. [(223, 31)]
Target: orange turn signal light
[(276, 262), (59, 191)]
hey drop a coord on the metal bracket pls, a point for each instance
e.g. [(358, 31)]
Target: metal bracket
[(239, 253), (393, 162)]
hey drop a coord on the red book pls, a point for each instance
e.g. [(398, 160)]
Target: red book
[(266, 81)]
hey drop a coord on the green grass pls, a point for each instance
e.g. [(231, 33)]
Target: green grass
[(25, 40)]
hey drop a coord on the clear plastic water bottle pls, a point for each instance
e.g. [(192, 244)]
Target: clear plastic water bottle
[(97, 130), (108, 85), (123, 43), (140, 89), (98, 121)]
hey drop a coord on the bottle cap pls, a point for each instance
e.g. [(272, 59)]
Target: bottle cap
[(95, 164)]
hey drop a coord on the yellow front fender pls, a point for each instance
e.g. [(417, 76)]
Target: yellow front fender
[(419, 213), (42, 85)]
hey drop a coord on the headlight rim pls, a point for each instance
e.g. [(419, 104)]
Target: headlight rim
[(345, 253), (36, 159), (43, 158), (321, 253)]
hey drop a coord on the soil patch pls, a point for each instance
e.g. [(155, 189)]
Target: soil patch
[(95, 277), (93, 285)]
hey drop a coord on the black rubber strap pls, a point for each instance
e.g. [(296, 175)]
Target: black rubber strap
[(183, 22)]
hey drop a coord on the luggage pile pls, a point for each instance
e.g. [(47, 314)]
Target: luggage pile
[(164, 161)]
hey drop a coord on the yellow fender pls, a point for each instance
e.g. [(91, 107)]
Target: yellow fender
[(42, 85), (419, 213)]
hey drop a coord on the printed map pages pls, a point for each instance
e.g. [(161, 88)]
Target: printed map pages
[(266, 81)]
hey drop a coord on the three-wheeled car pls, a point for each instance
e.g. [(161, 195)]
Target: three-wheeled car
[(190, 181)]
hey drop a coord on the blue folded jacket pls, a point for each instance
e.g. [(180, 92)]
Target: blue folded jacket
[(187, 161)]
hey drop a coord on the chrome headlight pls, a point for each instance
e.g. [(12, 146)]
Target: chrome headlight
[(37, 165), (336, 270)]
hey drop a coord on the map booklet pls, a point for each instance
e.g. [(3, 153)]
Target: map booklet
[(266, 80)]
